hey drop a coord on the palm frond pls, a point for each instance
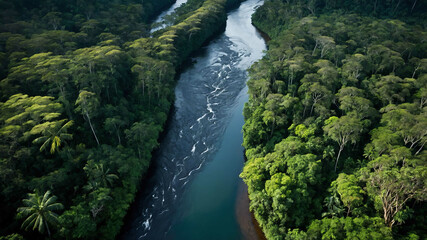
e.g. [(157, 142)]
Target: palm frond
[(51, 200), (56, 143), (24, 211), (46, 197), (38, 224), (66, 126), (45, 144), (31, 200), (40, 139), (29, 221), (55, 207), (52, 218)]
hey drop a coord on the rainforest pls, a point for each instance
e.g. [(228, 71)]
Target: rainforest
[(213, 119)]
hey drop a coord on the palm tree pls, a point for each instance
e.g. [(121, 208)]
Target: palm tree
[(54, 135), (39, 212), (104, 176), (98, 176)]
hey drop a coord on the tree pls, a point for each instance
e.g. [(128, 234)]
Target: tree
[(54, 134), (383, 58), (393, 186), (54, 71), (274, 111), (142, 78), (114, 125), (343, 130), (328, 73), (420, 65), (294, 65), (142, 136), (350, 192), (87, 103), (53, 19), (325, 43), (353, 68), (39, 212), (317, 93), (411, 127), (165, 71), (352, 102), (292, 192), (24, 116), (98, 174)]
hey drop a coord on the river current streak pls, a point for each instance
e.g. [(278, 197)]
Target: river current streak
[(192, 191)]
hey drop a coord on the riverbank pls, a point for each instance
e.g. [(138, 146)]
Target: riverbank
[(247, 222), (249, 226)]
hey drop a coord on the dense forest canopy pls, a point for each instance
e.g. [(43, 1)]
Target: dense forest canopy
[(336, 124), (84, 94)]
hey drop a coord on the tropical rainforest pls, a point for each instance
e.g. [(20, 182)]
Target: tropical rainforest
[(85, 92), (336, 124), (335, 127)]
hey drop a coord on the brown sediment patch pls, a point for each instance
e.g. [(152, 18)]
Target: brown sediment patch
[(248, 225)]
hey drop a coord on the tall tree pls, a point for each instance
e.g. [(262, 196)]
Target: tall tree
[(393, 186), (274, 111), (87, 103), (343, 130)]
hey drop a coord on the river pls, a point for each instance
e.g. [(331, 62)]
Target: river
[(158, 21), (192, 191)]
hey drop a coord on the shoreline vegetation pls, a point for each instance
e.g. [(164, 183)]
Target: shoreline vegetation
[(334, 130), (84, 96)]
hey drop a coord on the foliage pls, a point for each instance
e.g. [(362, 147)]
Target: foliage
[(84, 94), (340, 94), (39, 212), (349, 228)]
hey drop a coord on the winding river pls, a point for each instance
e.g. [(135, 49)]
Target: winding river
[(192, 192)]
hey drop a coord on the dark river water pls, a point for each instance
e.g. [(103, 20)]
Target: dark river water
[(193, 191)]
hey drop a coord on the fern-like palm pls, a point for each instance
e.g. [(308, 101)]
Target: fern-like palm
[(98, 176), (54, 133), (38, 212), (105, 177)]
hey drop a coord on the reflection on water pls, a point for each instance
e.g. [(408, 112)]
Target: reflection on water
[(193, 189)]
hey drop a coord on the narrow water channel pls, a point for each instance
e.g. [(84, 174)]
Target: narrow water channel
[(160, 18), (193, 189)]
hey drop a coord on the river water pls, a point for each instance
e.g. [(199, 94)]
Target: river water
[(192, 192)]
